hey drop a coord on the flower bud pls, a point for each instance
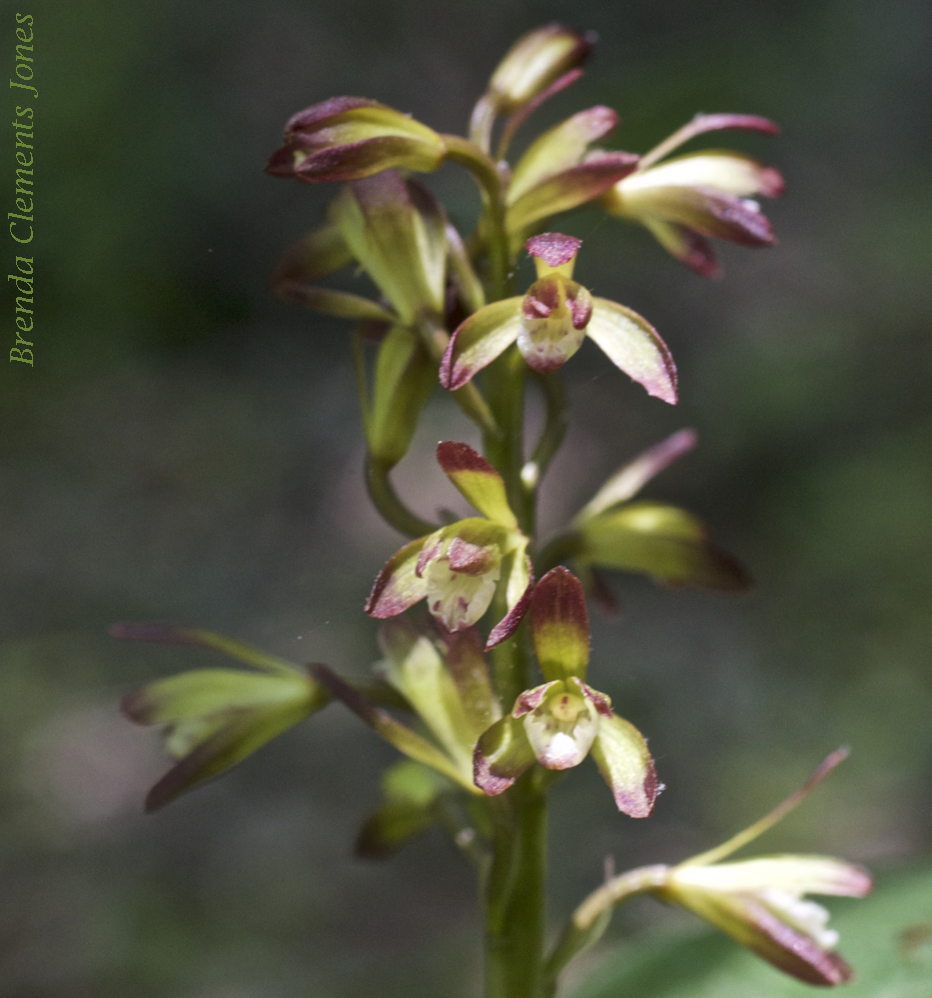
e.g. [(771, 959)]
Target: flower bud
[(348, 138), (534, 62)]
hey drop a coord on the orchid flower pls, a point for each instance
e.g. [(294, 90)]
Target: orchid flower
[(550, 322), (459, 568)]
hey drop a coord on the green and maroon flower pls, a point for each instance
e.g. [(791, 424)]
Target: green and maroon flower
[(348, 138), (212, 719), (685, 200), (761, 902), (551, 321), (459, 568), (559, 723)]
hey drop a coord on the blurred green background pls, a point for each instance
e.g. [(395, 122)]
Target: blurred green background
[(188, 449)]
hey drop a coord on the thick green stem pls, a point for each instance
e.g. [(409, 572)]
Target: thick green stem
[(515, 908)]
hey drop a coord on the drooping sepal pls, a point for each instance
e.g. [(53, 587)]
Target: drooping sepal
[(519, 585), (663, 541), (399, 585), (632, 344), (620, 751), (560, 625), (349, 138)]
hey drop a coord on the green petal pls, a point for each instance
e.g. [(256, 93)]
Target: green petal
[(663, 541), (478, 340), (414, 668), (633, 344), (477, 481), (560, 148), (625, 763), (398, 585), (518, 579), (560, 625), (209, 691), (796, 875)]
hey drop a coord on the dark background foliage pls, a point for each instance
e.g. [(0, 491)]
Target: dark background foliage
[(188, 449)]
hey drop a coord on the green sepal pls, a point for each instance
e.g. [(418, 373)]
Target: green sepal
[(662, 541), (319, 254), (408, 742), (470, 673), (215, 718), (560, 625), (632, 477), (396, 230)]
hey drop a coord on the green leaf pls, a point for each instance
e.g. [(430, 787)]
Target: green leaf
[(887, 937)]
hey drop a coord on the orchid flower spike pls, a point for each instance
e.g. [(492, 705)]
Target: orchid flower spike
[(550, 322), (684, 200), (560, 723), (459, 568)]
